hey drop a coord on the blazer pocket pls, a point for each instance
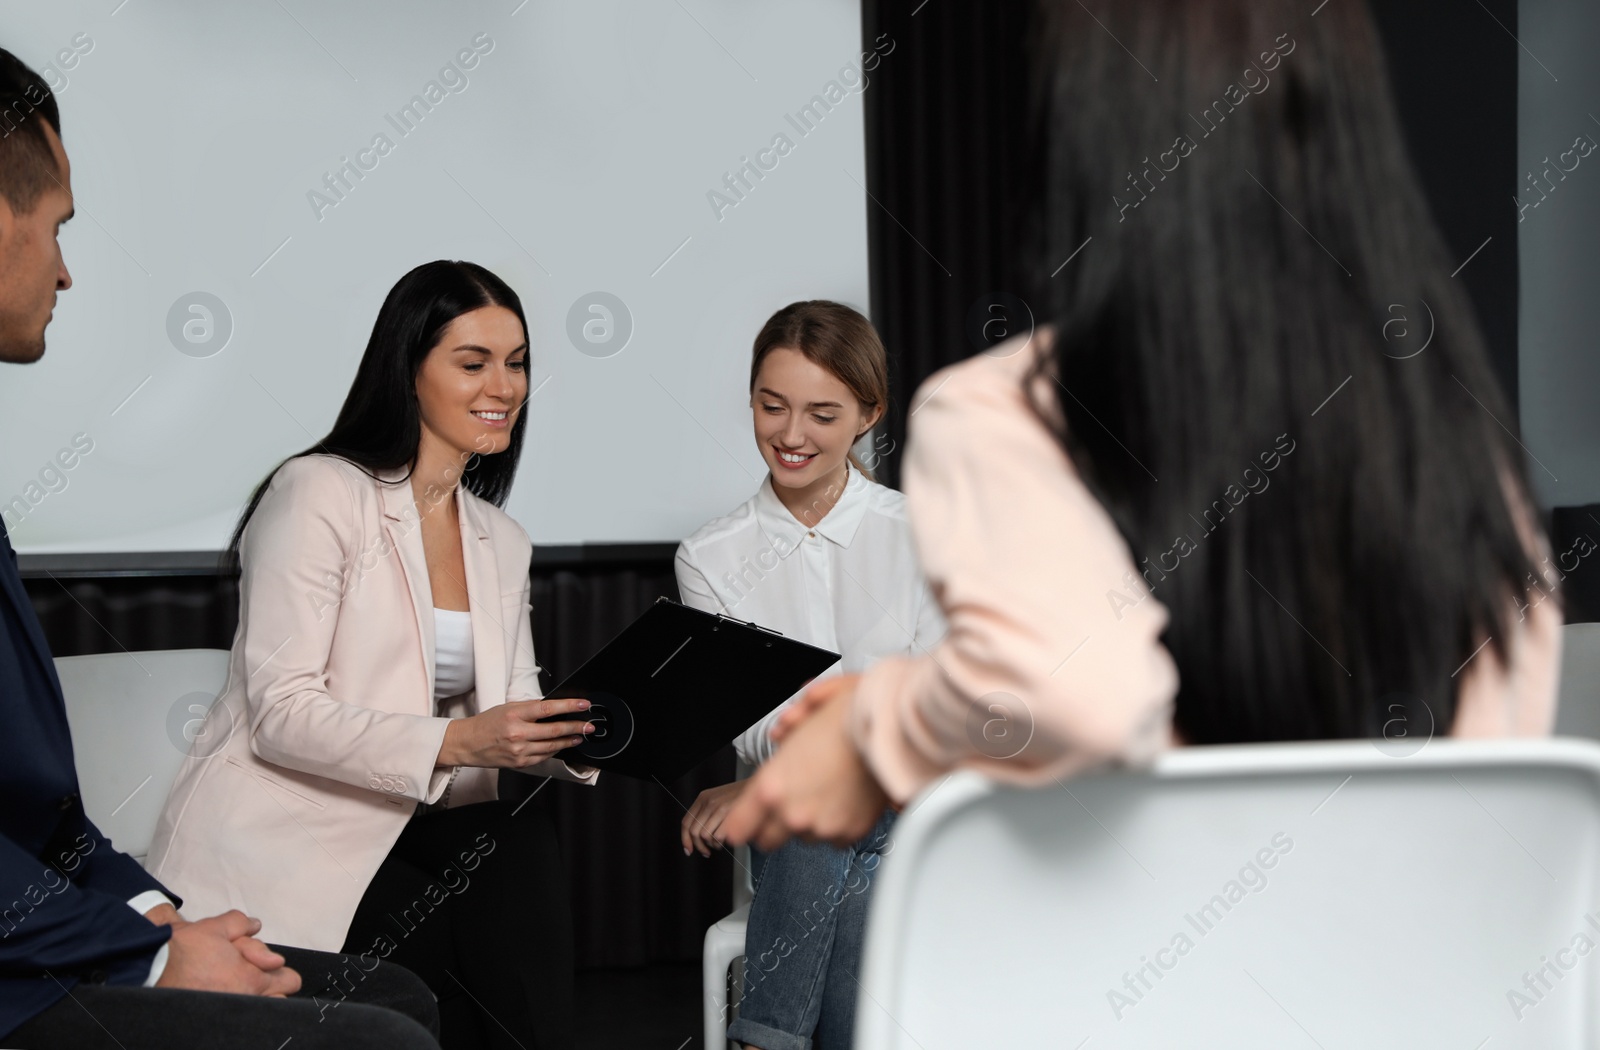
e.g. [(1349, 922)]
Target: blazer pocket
[(268, 783)]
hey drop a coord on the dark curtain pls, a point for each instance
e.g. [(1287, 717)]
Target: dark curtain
[(636, 898), (1454, 72), (947, 116), (1574, 539), (944, 120)]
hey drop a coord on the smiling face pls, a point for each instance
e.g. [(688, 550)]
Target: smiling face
[(473, 382), (806, 419), (32, 271)]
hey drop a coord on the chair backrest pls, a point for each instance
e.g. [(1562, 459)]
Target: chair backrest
[(1579, 710), (133, 718), (1255, 896)]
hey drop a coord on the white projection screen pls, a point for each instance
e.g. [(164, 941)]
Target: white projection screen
[(224, 292)]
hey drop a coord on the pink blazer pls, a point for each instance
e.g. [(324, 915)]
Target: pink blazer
[(324, 739)]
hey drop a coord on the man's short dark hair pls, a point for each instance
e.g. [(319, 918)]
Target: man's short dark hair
[(27, 165)]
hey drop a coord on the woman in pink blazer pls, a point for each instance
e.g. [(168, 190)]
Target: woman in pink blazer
[(343, 787), (1223, 496)]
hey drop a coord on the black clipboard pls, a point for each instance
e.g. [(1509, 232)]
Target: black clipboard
[(679, 683)]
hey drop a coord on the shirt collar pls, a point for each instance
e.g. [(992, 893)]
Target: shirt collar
[(784, 531)]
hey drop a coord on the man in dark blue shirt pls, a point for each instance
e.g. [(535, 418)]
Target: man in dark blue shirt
[(93, 951)]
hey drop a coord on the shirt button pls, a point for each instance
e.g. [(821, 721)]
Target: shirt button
[(67, 801), (812, 535)]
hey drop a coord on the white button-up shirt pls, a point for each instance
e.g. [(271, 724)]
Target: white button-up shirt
[(848, 583)]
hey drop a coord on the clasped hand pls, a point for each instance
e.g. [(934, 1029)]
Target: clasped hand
[(221, 954)]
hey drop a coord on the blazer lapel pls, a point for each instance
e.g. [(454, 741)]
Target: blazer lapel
[(404, 528), (483, 600)]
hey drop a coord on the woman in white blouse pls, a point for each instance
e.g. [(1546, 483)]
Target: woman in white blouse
[(823, 554)]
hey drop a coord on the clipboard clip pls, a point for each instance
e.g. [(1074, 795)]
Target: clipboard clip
[(731, 619), (748, 623)]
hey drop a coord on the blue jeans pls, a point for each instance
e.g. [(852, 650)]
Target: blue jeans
[(803, 942)]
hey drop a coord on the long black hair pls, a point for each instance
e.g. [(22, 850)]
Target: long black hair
[(380, 424), (1262, 352)]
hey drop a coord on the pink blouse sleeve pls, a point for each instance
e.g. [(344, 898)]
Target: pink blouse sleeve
[(1053, 661)]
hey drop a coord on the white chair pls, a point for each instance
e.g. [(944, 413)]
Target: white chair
[(1263, 896), (133, 718), (1579, 710), (724, 947)]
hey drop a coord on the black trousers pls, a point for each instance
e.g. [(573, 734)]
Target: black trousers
[(475, 902), (342, 1003)]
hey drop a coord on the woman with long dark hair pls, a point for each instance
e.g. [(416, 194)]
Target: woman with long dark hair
[(343, 788), (1220, 498)]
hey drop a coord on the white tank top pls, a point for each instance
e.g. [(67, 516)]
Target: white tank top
[(453, 673)]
